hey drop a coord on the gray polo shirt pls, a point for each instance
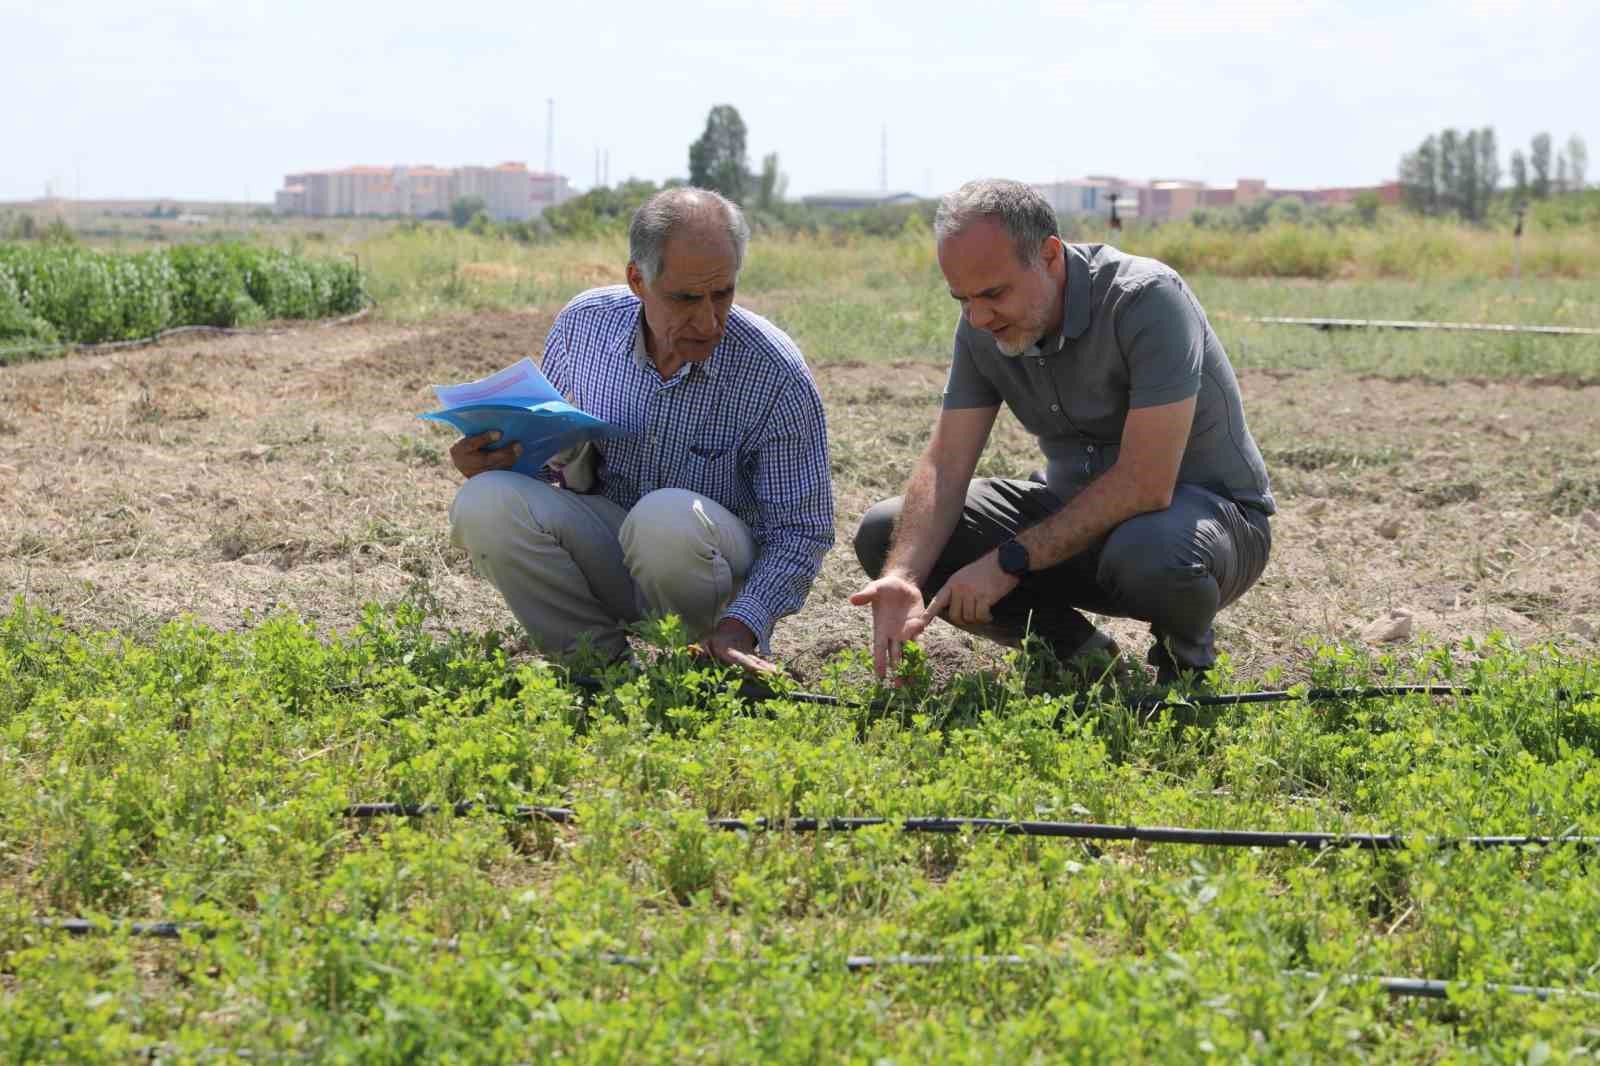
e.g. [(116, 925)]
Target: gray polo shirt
[(1132, 335)]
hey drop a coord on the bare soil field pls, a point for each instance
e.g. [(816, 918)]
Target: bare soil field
[(225, 478)]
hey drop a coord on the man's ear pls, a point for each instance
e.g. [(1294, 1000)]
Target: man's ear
[(1053, 257), (636, 279)]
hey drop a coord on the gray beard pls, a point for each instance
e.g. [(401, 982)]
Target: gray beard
[(1014, 352)]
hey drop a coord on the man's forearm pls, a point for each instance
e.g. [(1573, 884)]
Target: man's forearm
[(1102, 506), (928, 516)]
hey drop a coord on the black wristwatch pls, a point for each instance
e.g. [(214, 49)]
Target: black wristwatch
[(1013, 558)]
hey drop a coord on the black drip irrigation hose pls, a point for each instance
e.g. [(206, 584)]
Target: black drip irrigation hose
[(1420, 987), (752, 688), (1149, 834)]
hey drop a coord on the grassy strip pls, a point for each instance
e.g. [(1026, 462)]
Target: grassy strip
[(65, 293), (197, 776)]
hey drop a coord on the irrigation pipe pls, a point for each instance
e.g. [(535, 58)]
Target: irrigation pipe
[(1421, 987), (1149, 834), (156, 338), (755, 689), (1462, 327)]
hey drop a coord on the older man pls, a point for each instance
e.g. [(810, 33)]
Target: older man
[(1156, 501), (715, 505)]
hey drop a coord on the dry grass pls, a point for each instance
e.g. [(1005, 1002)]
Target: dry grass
[(226, 477)]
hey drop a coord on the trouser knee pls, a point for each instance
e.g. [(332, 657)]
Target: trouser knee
[(1148, 574), (873, 535), (662, 534), (487, 509)]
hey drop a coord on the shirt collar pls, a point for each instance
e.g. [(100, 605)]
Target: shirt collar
[(1074, 307), (1075, 315), (641, 355)]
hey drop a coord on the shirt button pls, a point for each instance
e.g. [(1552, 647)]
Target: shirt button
[(1090, 449), (1055, 407), (1041, 362)]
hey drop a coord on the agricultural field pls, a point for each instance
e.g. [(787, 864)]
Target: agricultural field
[(234, 612)]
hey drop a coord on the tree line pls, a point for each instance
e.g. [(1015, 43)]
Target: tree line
[(1455, 173)]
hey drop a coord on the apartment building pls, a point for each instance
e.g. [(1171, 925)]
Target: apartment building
[(510, 191)]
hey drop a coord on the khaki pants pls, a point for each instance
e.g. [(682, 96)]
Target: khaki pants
[(572, 566)]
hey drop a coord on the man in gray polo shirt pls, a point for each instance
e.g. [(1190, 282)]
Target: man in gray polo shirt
[(1156, 498)]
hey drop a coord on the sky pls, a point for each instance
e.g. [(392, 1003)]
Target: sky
[(219, 100)]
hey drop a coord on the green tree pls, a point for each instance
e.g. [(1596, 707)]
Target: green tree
[(717, 160), (1539, 160), (1519, 176), (1489, 172), (1449, 160), (463, 208), (1419, 176), (1577, 161), (772, 183)]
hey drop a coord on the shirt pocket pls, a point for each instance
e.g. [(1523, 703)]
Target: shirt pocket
[(713, 466)]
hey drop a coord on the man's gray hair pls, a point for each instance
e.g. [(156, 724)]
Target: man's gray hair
[(1026, 216), (668, 209)]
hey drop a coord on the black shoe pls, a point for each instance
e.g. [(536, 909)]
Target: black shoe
[(1172, 674), (1099, 658)]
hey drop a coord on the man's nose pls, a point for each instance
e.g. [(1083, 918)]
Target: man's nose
[(980, 314), (705, 316)]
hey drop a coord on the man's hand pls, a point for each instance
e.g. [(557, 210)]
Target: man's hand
[(472, 457), (733, 643), (896, 617), (972, 591)]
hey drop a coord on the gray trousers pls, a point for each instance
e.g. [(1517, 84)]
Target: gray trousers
[(1174, 568), (578, 568)]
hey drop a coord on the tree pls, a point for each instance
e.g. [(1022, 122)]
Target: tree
[(1577, 161), (1419, 176), (717, 160), (770, 186), (1539, 160), (1468, 192), (1449, 157), (1519, 175), (463, 208), (1489, 172), (1561, 172)]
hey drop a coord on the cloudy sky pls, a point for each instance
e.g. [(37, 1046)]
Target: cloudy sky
[(219, 100)]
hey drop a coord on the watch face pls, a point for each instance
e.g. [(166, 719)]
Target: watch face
[(1013, 558)]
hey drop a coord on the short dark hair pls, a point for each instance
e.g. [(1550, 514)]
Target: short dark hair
[(1026, 216)]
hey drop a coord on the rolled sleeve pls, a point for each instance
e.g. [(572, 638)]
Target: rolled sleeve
[(794, 526), (1163, 340)]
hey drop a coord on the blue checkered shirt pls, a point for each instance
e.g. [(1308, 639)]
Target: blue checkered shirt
[(744, 428)]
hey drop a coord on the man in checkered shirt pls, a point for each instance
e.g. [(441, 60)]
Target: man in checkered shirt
[(715, 504)]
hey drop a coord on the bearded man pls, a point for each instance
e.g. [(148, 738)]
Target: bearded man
[(1155, 500)]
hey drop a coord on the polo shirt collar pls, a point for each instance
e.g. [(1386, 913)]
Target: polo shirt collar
[(1074, 311), (1075, 317)]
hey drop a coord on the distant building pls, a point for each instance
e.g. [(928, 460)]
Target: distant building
[(1092, 196), (1165, 199), (510, 192), (856, 200)]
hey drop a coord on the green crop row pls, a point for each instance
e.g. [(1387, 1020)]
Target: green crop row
[(62, 293), (198, 776)]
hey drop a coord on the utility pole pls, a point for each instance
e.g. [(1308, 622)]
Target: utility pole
[(550, 135), (1516, 252), (883, 161)]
